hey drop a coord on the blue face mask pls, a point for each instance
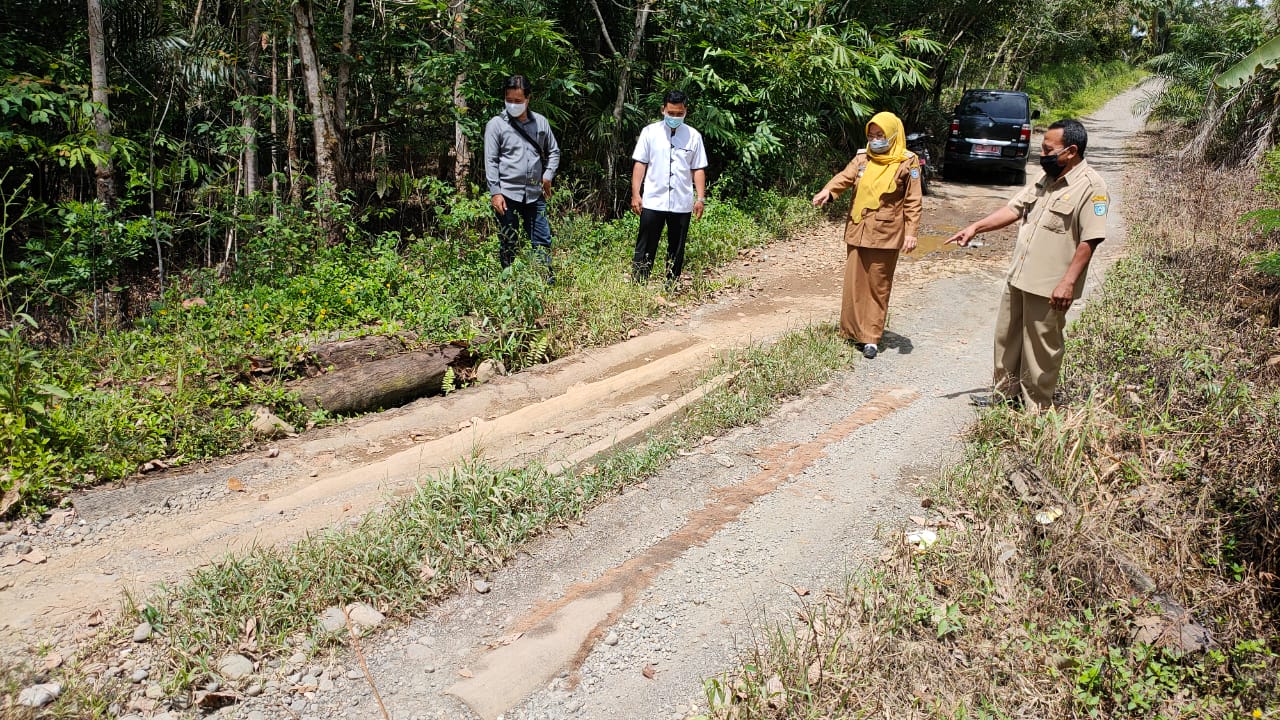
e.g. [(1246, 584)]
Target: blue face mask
[(673, 122), (879, 147)]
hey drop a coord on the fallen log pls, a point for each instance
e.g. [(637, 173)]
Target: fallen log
[(344, 354), (382, 383)]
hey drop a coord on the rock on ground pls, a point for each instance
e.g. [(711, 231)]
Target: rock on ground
[(266, 424), (364, 616), (234, 667), (39, 695)]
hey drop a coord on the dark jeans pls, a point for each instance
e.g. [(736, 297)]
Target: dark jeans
[(534, 217), (651, 224)]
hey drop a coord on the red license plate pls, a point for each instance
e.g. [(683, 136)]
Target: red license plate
[(986, 149)]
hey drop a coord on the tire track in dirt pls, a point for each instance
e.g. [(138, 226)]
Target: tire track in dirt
[(551, 637)]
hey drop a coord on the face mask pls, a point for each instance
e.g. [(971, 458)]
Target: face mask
[(515, 110), (1050, 164), (673, 122), (878, 147)]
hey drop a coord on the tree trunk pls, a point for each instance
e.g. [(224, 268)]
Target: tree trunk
[(275, 130), (344, 69), (624, 81), (249, 120), (346, 354), (291, 140), (604, 28), (103, 172), (381, 383), (1013, 60), (964, 59), (461, 151), (986, 81), (330, 167)]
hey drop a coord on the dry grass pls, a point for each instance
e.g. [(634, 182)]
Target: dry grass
[(1164, 464)]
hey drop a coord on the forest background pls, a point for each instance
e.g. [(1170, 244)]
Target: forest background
[(196, 192)]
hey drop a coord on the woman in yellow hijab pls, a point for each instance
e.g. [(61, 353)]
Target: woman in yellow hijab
[(883, 222)]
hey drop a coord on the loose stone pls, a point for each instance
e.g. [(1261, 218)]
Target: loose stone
[(234, 666), (366, 616), (39, 695)]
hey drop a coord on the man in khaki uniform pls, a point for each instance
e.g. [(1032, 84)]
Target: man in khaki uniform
[(1063, 218), (883, 222)]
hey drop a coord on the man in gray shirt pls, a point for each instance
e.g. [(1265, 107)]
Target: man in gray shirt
[(520, 160)]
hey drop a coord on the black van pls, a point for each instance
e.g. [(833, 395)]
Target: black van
[(990, 130)]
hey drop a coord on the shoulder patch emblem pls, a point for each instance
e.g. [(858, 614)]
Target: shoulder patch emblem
[(1099, 208), (915, 173)]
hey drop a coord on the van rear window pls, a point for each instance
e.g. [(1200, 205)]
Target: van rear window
[(993, 104)]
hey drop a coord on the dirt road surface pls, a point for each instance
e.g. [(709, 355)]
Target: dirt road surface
[(671, 576)]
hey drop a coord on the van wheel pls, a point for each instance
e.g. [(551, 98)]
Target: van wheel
[(949, 172), (1019, 177)]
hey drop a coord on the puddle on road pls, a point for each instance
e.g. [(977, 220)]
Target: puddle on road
[(928, 243)]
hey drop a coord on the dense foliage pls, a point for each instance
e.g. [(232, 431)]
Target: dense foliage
[(207, 120), (1234, 116)]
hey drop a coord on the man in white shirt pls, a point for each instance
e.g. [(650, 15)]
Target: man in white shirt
[(668, 184)]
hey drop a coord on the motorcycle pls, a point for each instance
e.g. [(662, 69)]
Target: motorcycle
[(918, 143)]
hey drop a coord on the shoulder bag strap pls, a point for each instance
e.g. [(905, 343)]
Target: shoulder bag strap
[(542, 153)]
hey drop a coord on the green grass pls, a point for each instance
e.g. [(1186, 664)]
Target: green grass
[(179, 381), (463, 522), (1074, 90), (1163, 462)]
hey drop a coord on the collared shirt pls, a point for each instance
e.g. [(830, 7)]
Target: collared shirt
[(670, 157), (1057, 215), (512, 165)]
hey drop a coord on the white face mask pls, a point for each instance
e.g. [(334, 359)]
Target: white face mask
[(879, 146), (515, 110)]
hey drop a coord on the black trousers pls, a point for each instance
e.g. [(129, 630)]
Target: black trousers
[(534, 216), (651, 224)]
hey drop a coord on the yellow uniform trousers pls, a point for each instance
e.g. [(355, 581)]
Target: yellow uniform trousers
[(868, 280)]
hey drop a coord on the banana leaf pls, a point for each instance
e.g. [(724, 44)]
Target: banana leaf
[(1264, 56)]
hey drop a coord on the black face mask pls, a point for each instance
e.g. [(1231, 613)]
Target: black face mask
[(1051, 166)]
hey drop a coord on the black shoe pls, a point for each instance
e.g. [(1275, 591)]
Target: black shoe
[(983, 400), (869, 351)]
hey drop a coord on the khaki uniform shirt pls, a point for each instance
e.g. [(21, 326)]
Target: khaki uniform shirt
[(1057, 215), (898, 216)]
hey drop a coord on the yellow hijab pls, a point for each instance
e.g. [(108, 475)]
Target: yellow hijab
[(881, 171)]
